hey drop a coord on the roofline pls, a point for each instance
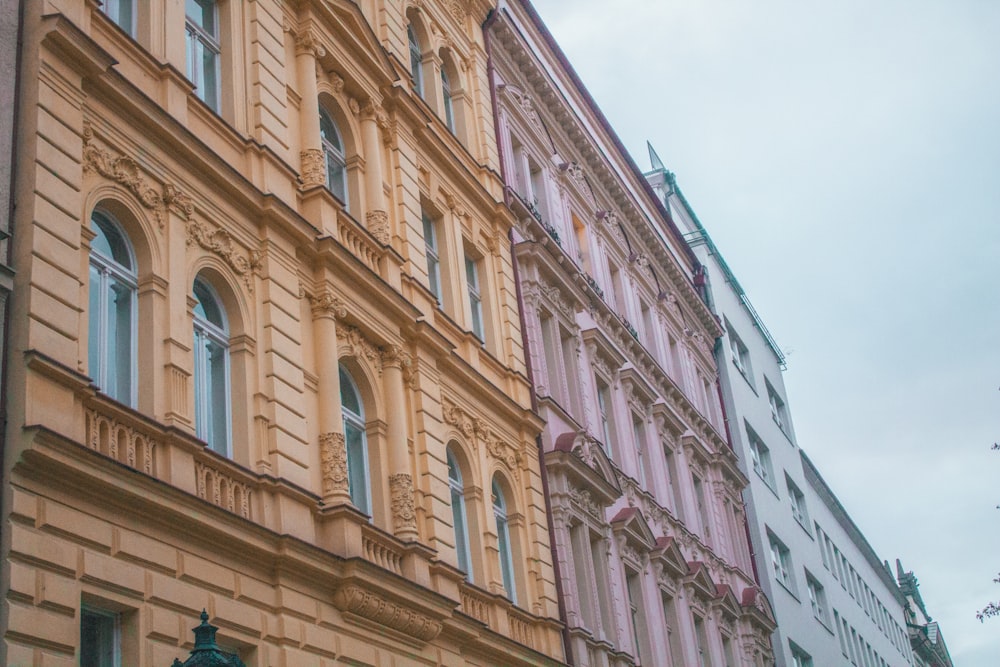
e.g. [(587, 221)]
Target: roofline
[(671, 179), (630, 163), (847, 523)]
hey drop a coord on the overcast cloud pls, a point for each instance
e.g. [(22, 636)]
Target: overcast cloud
[(845, 157)]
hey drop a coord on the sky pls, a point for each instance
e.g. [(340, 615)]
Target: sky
[(845, 158)]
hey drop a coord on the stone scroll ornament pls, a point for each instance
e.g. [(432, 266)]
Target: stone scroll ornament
[(373, 607), (333, 456)]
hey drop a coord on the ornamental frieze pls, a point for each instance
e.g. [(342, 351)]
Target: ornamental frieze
[(126, 172), (245, 263), (476, 430), (358, 346), (369, 605)]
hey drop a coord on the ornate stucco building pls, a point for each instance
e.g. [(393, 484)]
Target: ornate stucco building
[(648, 523), (265, 352), (834, 601)]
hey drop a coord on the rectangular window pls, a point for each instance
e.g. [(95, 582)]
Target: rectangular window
[(433, 255), (604, 413), (778, 412), (100, 638), (640, 633), (121, 12), (673, 630), (841, 628), (740, 353), (699, 497), (580, 546), (672, 479), (642, 466), (599, 557), (781, 562), (798, 503), (799, 657), (760, 458), (203, 49), (475, 297), (817, 598), (704, 657)]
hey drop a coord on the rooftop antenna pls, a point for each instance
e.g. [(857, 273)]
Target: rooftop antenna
[(654, 159)]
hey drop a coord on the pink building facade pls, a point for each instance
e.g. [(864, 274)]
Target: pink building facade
[(647, 518)]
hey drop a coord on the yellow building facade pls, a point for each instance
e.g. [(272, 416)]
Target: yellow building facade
[(265, 353)]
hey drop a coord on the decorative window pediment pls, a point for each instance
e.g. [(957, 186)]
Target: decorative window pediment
[(700, 580), (632, 529), (586, 464), (726, 601), (605, 359), (757, 608), (668, 554)]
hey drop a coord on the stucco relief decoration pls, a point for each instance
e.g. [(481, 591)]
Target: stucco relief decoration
[(354, 106), (219, 241), (358, 346), (499, 450), (554, 296), (222, 490), (333, 463), (126, 172), (377, 223), (313, 167), (457, 10), (337, 83), (575, 172), (527, 106), (306, 42), (401, 493), (366, 604), (586, 502), (327, 304)]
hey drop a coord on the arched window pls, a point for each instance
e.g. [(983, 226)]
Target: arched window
[(449, 110), (333, 153), (356, 440), (213, 422), (458, 515), (503, 541), (416, 61), (112, 319)]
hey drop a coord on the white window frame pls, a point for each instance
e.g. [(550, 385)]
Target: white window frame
[(207, 395), (504, 550), (433, 255), (334, 158), (781, 562), (760, 457), (449, 108), (607, 425), (103, 365), (476, 321), (201, 41), (459, 518), (740, 354), (817, 599), (416, 60), (356, 469), (798, 503), (778, 413)]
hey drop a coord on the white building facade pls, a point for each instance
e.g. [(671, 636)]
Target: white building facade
[(644, 489), (834, 603)]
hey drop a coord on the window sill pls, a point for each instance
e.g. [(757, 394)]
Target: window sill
[(768, 485), (788, 590)]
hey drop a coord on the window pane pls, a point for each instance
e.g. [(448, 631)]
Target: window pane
[(98, 640), (120, 342), (209, 88), (94, 342), (218, 401), (357, 473)]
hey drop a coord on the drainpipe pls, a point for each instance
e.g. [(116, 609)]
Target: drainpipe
[(491, 19), (6, 260)]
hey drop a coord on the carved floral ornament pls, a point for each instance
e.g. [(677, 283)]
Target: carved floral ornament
[(126, 172), (476, 430), (574, 172), (307, 42), (333, 463), (583, 499), (404, 515), (327, 304), (244, 262), (525, 103)]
